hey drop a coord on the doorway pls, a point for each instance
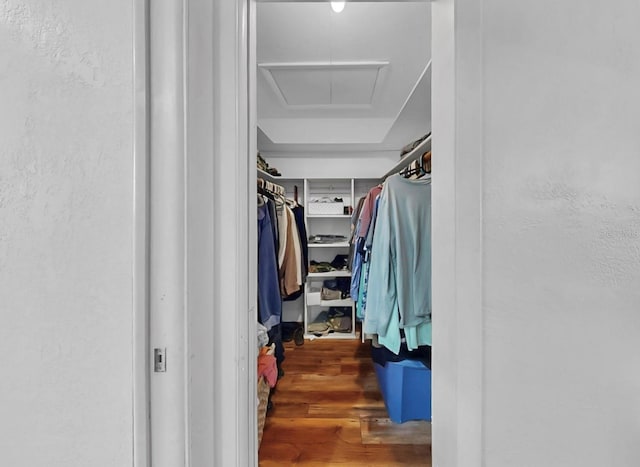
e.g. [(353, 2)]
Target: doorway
[(339, 95), (214, 116)]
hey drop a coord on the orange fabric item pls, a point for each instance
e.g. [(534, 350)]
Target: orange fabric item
[(267, 367)]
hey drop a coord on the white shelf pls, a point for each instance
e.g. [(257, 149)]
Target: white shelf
[(333, 335), (329, 245), (330, 216), (267, 176), (330, 303), (330, 274), (289, 179), (315, 299)]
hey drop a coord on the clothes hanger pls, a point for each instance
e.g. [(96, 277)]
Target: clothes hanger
[(414, 169), (425, 162), (419, 167), (425, 165)]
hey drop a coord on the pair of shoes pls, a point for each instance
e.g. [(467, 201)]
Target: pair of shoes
[(287, 335), (340, 324), (328, 294), (298, 336), (318, 328)]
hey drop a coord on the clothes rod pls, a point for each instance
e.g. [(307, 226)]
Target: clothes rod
[(272, 187), (415, 154)]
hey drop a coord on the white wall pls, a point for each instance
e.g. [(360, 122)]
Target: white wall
[(66, 233), (560, 110), (562, 233)]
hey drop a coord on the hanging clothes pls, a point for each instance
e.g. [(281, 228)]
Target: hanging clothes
[(290, 260), (355, 217), (283, 226), (298, 212), (399, 282), (269, 300), (361, 303), (269, 297), (361, 230), (282, 258)]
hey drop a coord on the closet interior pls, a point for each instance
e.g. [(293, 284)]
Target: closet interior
[(344, 217)]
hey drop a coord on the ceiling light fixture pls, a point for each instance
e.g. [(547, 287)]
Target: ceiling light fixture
[(337, 6)]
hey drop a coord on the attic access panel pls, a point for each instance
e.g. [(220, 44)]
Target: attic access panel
[(325, 85)]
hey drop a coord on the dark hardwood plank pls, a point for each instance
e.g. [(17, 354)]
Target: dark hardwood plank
[(333, 383), (289, 409), (372, 410), (317, 431), (325, 369), (383, 431), (325, 397), (338, 453)]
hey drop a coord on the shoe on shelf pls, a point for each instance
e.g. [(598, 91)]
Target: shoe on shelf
[(328, 294)]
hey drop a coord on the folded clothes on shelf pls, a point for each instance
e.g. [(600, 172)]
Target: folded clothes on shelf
[(412, 145), (318, 267), (339, 263), (326, 199), (327, 239), (263, 165)]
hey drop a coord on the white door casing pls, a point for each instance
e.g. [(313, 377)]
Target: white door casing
[(167, 233), (457, 233), (141, 354), (195, 234)]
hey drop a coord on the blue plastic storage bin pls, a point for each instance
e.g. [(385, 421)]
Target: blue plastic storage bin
[(406, 389)]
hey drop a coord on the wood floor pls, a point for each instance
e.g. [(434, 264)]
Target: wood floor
[(328, 410)]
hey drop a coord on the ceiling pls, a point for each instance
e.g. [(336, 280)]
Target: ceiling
[(353, 81)]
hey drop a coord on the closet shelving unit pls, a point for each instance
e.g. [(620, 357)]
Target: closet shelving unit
[(350, 190), (328, 224)]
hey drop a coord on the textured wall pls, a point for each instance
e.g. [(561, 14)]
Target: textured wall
[(561, 233), (65, 233)]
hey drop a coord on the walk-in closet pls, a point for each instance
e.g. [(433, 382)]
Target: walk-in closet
[(344, 233)]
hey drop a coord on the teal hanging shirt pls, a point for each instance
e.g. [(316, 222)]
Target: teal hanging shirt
[(399, 285)]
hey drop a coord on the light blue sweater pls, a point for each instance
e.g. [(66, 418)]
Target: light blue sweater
[(399, 288)]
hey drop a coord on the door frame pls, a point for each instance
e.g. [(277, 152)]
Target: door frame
[(216, 84), (141, 366), (202, 85)]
